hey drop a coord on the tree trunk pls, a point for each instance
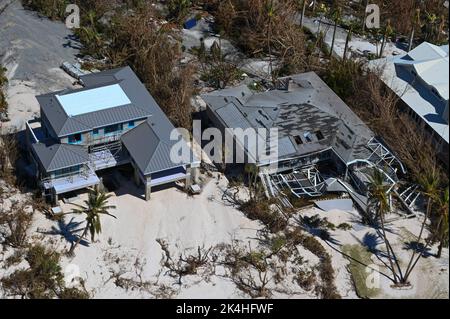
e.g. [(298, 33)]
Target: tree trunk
[(365, 17), (347, 40), (386, 241), (79, 240), (441, 245), (383, 43), (302, 17), (334, 37), (411, 39), (420, 236)]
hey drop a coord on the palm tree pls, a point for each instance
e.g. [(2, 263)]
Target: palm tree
[(252, 175), (387, 32), (336, 17), (270, 14), (347, 40), (442, 227), (415, 23), (95, 206), (430, 183), (441, 28), (430, 26), (365, 17), (302, 16), (379, 201)]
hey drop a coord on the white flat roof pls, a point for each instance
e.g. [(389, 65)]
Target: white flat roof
[(93, 100)]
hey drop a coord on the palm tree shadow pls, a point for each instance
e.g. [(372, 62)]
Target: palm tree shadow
[(68, 230), (314, 226), (371, 241), (358, 261), (418, 248)]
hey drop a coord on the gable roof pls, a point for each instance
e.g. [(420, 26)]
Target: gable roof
[(150, 147), (433, 72), (141, 104), (431, 63), (58, 156)]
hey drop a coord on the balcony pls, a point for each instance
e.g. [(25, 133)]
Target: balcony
[(70, 182)]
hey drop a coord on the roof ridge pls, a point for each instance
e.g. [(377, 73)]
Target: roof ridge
[(69, 148), (54, 155)]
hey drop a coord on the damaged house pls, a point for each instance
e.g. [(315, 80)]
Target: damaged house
[(322, 145), (113, 120)]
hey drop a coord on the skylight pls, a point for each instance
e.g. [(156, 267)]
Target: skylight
[(93, 100)]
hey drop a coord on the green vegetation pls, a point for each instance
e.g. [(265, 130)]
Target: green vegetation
[(53, 9), (94, 207), (264, 28), (215, 69), (327, 289), (43, 279), (340, 75), (359, 258)]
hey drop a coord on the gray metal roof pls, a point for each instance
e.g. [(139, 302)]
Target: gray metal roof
[(149, 143), (142, 103), (58, 156), (150, 146), (305, 107)]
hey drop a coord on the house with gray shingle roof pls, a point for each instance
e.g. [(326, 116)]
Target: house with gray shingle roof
[(314, 127), (112, 120)]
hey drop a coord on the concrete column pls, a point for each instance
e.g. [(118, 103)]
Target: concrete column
[(137, 179), (55, 198), (148, 188), (194, 174), (189, 179)]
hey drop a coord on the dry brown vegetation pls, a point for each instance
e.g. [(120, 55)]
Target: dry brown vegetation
[(427, 18), (129, 32), (153, 52), (265, 27), (3, 103), (399, 131), (9, 153), (185, 264), (14, 224)]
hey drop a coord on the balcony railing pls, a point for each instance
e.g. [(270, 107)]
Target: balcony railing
[(71, 181)]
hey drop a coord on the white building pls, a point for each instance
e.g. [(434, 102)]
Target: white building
[(420, 78)]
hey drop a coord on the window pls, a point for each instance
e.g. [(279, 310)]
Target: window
[(319, 135), (95, 131), (75, 138), (298, 140), (113, 128), (131, 124)]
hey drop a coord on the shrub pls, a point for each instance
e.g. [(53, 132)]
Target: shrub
[(14, 225), (261, 210), (43, 278), (53, 9)]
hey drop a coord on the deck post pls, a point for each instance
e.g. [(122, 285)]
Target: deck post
[(137, 179), (55, 197)]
